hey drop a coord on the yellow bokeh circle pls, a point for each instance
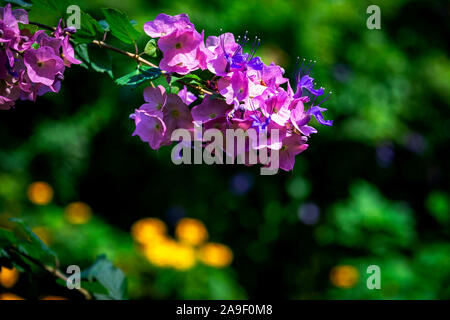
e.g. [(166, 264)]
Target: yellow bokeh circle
[(40, 193), (148, 230), (215, 255), (191, 231), (78, 213)]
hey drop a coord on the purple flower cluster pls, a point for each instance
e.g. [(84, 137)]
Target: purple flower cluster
[(252, 92), (30, 64)]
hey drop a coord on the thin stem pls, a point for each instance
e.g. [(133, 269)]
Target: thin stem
[(133, 56), (54, 271), (139, 59)]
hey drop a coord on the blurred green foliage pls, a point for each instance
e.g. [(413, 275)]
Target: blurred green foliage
[(371, 190)]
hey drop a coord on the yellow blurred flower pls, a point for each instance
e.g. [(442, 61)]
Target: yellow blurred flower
[(215, 255), (344, 276), (78, 213), (9, 296), (40, 193), (160, 252), (43, 233), (183, 257), (53, 298), (148, 230), (191, 231), (8, 277), (166, 252)]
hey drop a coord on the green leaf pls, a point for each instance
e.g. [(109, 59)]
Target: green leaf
[(96, 58), (138, 76), (90, 29), (110, 277), (121, 26), (189, 78), (58, 7), (151, 48), (20, 3), (15, 234)]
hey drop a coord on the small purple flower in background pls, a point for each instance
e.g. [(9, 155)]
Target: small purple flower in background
[(385, 154), (174, 214), (309, 213), (241, 183), (415, 142)]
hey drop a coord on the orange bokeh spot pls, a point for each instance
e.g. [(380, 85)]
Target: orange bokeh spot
[(344, 276), (78, 213), (10, 296), (53, 298), (8, 277), (215, 255), (191, 231), (40, 193)]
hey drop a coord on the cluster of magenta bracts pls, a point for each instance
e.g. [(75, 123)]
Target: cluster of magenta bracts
[(252, 92), (30, 64)]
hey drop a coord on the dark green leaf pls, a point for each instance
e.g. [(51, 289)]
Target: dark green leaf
[(90, 29), (120, 25), (189, 78), (139, 76), (15, 234), (96, 58), (58, 7)]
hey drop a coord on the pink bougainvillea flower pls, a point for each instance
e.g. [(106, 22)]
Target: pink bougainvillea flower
[(156, 99), (186, 96), (43, 65), (68, 53), (299, 119), (210, 109), (180, 50), (176, 115), (234, 88), (292, 146), (164, 25), (9, 20), (277, 107), (8, 94), (222, 48), (149, 128)]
